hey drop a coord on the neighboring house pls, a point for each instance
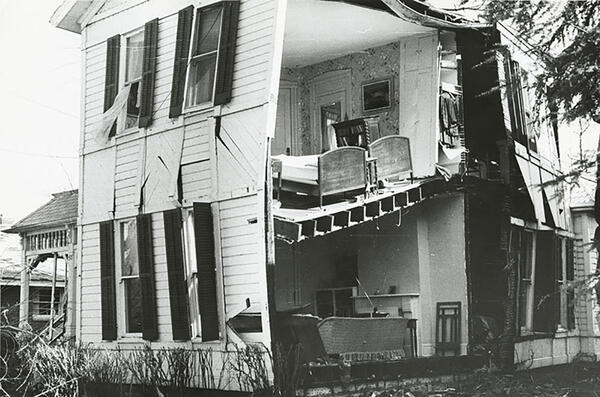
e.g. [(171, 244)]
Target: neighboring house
[(197, 113), (48, 248), (584, 226), (40, 297)]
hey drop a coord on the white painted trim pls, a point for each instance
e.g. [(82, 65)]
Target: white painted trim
[(90, 13), (95, 17)]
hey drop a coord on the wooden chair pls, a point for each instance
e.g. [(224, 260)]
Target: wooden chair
[(356, 132)]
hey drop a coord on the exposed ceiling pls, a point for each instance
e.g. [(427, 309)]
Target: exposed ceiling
[(318, 30)]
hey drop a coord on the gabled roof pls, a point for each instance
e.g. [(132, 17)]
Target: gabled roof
[(59, 211)]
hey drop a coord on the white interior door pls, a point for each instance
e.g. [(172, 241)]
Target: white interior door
[(284, 140), (330, 103)]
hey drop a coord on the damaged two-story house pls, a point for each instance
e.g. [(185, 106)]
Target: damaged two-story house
[(354, 176)]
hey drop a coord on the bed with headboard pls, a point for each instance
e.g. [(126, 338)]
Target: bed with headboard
[(343, 169), (333, 172)]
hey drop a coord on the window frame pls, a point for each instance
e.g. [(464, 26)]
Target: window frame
[(122, 118), (189, 252), (192, 58), (526, 328), (122, 331), (36, 302)]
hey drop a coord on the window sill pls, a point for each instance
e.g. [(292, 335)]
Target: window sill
[(203, 107)]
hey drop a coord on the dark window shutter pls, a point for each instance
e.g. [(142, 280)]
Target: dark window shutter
[(180, 322), (111, 82), (545, 283), (146, 262), (107, 281), (148, 72), (182, 49), (226, 59), (205, 260), (570, 279)]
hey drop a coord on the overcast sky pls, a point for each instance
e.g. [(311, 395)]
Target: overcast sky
[(39, 106)]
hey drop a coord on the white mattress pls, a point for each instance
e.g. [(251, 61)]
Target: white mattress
[(302, 169)]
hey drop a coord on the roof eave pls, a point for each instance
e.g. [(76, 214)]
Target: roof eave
[(68, 15), (40, 226)]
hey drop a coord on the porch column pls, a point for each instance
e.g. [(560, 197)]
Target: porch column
[(24, 296), (71, 291)]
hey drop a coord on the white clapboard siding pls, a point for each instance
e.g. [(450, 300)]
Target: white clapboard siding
[(196, 146), (91, 327), (161, 281), (195, 181), (167, 32), (95, 65), (254, 41), (126, 178), (239, 250)]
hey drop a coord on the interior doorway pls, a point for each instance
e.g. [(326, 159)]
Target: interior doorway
[(330, 103), (285, 139)]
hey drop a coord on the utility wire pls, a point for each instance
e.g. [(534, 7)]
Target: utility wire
[(38, 154)]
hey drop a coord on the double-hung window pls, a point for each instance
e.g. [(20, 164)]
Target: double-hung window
[(203, 56), (203, 67), (134, 53), (526, 258), (130, 276)]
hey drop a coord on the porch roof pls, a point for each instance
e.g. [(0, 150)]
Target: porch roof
[(59, 211), (294, 225)]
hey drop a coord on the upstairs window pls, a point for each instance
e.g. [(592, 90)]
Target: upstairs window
[(203, 56), (134, 53)]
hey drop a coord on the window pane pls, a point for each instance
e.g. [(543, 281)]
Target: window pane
[(523, 303), (135, 52), (208, 26), (133, 106), (129, 259), (526, 254), (133, 302), (201, 80)]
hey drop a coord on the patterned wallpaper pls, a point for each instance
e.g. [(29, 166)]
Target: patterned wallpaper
[(371, 64)]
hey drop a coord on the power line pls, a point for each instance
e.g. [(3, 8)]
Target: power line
[(39, 154)]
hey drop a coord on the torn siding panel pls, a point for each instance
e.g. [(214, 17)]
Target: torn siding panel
[(239, 150), (163, 156), (99, 182)]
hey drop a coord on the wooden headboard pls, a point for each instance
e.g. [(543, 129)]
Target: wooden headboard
[(393, 156), (342, 170)]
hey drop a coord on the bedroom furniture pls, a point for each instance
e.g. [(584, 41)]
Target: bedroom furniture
[(336, 171), (357, 132), (393, 158)]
